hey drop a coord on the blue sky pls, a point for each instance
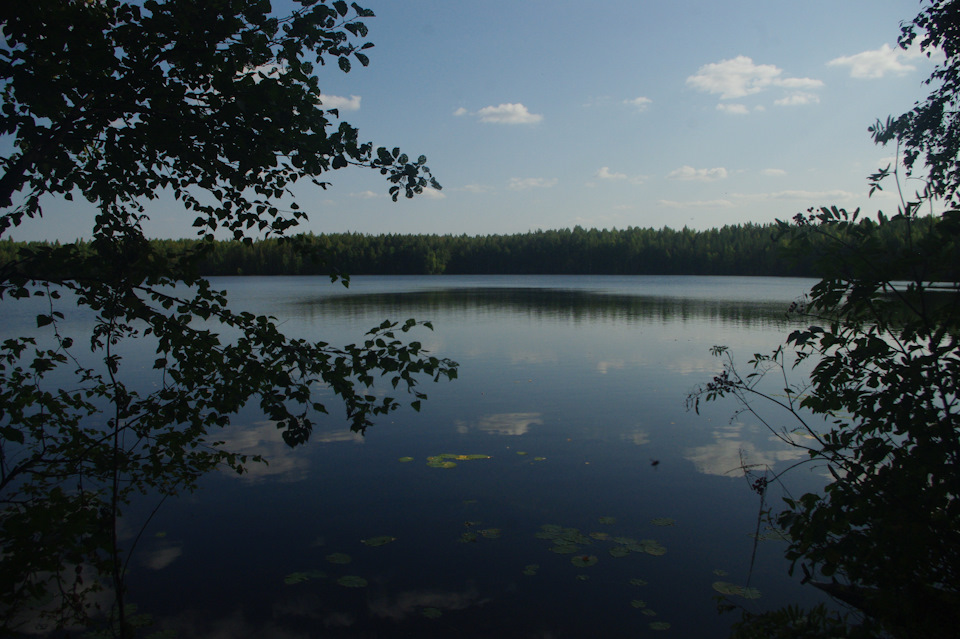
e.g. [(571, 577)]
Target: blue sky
[(544, 114)]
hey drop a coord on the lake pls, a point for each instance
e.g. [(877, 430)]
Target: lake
[(577, 498)]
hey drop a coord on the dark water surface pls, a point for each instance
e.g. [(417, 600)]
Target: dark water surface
[(574, 387)]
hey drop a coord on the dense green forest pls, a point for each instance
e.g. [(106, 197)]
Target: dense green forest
[(748, 249)]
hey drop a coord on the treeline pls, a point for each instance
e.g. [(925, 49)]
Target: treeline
[(748, 249)]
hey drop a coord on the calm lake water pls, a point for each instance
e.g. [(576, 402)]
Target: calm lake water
[(574, 387)]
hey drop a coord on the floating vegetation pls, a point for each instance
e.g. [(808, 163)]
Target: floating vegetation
[(583, 577), (727, 588), (659, 625), (531, 569), (648, 612), (405, 459), (468, 537), (377, 541), (601, 536), (638, 603), (626, 541), (522, 452), (607, 520), (300, 577), (619, 551), (638, 582), (539, 459), (565, 549), (720, 573), (431, 613), (339, 558), (663, 521), (583, 561), (491, 533), (653, 547), (352, 581), (449, 460)]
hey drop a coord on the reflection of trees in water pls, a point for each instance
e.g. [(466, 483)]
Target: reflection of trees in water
[(546, 303)]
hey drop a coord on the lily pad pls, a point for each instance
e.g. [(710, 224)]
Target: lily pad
[(468, 537), (619, 551), (491, 533), (638, 582), (522, 452), (339, 558), (405, 459), (565, 549), (663, 521), (300, 577), (378, 541), (583, 561), (751, 593), (648, 612), (607, 520), (659, 625), (531, 569), (638, 603), (601, 536), (652, 547), (727, 588), (583, 577), (720, 573), (352, 581), (539, 459)]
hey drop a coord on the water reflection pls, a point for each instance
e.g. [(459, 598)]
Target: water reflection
[(731, 452), (511, 424), (542, 303)]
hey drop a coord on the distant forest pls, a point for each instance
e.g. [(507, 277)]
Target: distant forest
[(747, 249)]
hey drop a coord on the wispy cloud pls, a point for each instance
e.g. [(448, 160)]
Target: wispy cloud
[(699, 175), (640, 104), (733, 109), (696, 204), (507, 113), (806, 196), (339, 102), (476, 188), (877, 63), (432, 194), (368, 195), (798, 99), (740, 77), (606, 174), (521, 184), (773, 172)]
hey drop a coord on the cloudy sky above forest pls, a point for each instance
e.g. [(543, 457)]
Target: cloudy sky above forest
[(544, 114)]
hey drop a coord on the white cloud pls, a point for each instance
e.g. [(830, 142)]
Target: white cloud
[(520, 184), (696, 204), (773, 172), (640, 103), (476, 188), (605, 174), (509, 113), (876, 63), (460, 111), (740, 77), (733, 109), (807, 196), (339, 102), (797, 99), (367, 195), (432, 194), (700, 175)]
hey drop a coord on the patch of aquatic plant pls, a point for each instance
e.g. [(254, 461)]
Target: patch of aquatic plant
[(300, 577), (449, 460)]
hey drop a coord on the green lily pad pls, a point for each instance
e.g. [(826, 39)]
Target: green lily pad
[(659, 625), (431, 613), (543, 534), (522, 452), (539, 459), (583, 561), (751, 593), (648, 612), (339, 558), (663, 521), (626, 541), (300, 577), (619, 551), (531, 569), (552, 528), (600, 536), (491, 533), (638, 582), (468, 537), (377, 541), (727, 588), (607, 520), (433, 462), (565, 549), (352, 581), (405, 459), (638, 603), (583, 577), (652, 547)]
